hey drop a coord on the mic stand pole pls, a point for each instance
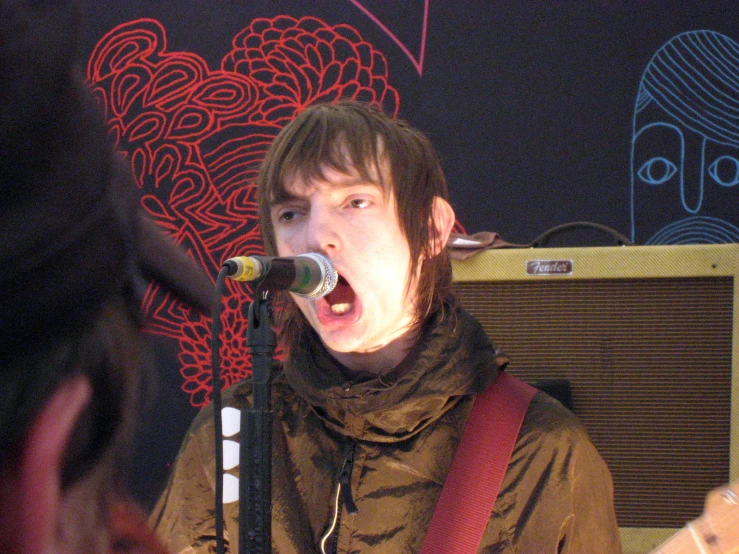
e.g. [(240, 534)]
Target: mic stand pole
[(255, 449)]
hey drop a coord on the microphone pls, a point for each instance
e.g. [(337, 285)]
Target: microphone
[(308, 275)]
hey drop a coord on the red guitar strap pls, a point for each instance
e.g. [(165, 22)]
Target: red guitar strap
[(480, 463)]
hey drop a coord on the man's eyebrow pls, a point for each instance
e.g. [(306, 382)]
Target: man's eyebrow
[(355, 182), (283, 198)]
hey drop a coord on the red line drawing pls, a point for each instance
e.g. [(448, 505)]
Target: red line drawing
[(195, 137)]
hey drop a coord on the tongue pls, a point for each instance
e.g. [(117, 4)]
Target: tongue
[(342, 293)]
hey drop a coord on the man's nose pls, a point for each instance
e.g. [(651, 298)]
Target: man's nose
[(322, 231)]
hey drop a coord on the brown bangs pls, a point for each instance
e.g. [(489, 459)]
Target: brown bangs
[(331, 136)]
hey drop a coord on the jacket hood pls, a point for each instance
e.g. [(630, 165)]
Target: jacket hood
[(453, 358)]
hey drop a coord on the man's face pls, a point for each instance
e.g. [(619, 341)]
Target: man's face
[(365, 321)]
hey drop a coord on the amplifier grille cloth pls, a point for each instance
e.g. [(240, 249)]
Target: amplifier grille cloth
[(649, 364)]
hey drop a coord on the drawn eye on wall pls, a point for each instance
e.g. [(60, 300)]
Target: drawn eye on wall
[(725, 171), (657, 171)]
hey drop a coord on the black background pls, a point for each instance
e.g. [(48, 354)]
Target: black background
[(529, 104)]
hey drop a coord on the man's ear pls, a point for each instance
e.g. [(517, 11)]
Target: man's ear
[(30, 491), (441, 225)]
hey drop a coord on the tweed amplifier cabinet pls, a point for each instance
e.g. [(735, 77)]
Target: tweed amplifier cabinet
[(648, 339)]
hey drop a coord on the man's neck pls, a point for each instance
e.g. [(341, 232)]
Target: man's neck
[(380, 361)]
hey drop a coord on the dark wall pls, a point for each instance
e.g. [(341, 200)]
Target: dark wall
[(531, 106)]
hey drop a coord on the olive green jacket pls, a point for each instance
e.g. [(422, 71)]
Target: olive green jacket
[(394, 437)]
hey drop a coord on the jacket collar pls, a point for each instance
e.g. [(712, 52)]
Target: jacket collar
[(453, 358)]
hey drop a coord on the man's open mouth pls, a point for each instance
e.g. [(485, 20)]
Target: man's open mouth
[(341, 299)]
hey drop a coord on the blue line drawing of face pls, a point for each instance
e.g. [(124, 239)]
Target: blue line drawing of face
[(685, 143)]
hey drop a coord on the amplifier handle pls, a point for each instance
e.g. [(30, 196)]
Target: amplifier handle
[(543, 239)]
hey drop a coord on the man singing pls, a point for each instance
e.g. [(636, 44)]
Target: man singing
[(380, 375)]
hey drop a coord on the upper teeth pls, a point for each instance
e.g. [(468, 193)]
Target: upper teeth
[(342, 308)]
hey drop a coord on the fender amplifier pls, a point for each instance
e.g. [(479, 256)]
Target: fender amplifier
[(647, 338)]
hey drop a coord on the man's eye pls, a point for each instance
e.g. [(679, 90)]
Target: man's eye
[(359, 203), (286, 216)]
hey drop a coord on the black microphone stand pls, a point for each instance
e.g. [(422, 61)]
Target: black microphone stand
[(255, 448)]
